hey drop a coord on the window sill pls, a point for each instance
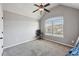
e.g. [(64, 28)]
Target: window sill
[(60, 36)]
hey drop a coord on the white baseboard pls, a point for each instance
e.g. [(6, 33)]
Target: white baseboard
[(17, 44), (60, 43), (34, 39)]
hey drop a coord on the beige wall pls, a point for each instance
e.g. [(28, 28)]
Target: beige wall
[(71, 25), (18, 29)]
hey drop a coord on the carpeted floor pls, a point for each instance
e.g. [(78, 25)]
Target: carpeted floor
[(37, 48)]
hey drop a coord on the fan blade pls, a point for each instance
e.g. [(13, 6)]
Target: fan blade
[(35, 10), (46, 10), (36, 5), (46, 5)]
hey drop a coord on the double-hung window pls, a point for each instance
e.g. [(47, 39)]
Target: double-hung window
[(54, 26)]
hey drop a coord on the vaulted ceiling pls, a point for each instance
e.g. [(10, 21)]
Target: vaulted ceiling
[(26, 9)]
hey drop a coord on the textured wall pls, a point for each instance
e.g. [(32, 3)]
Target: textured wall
[(18, 29), (71, 26)]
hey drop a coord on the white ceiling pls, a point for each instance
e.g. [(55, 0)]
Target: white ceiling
[(26, 9)]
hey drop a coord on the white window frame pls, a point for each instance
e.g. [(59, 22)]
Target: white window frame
[(52, 28)]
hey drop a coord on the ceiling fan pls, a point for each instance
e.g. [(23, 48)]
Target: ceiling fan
[(41, 7)]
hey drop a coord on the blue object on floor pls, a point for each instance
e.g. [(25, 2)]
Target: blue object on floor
[(74, 51)]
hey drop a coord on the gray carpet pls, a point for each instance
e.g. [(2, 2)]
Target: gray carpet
[(37, 48)]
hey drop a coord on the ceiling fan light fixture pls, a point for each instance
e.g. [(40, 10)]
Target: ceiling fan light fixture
[(41, 9)]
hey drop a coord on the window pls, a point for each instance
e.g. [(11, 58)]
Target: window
[(48, 27), (54, 26)]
